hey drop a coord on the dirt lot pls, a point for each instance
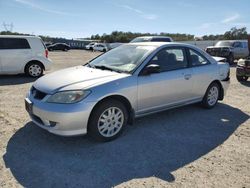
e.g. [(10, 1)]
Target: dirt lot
[(185, 147)]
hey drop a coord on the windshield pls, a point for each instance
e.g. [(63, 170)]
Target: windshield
[(223, 43), (123, 58), (141, 39)]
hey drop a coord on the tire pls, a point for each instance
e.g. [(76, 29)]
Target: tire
[(102, 125), (242, 78), (104, 50), (34, 69), (230, 59), (211, 96)]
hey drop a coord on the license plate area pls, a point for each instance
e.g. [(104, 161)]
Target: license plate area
[(28, 106)]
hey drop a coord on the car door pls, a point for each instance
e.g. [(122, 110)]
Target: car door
[(245, 50), (203, 72), (171, 86), (57, 47), (238, 50), (14, 53)]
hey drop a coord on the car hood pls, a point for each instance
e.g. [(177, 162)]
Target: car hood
[(74, 78), (219, 59), (218, 47)]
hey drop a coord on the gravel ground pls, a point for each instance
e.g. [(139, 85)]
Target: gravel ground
[(184, 147)]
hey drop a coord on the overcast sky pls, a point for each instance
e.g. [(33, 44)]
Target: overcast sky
[(78, 18)]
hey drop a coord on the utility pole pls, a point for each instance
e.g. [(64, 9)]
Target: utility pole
[(8, 27)]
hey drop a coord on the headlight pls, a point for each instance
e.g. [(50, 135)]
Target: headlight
[(67, 97), (241, 62)]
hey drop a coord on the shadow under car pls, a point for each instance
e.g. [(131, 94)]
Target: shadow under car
[(155, 145)]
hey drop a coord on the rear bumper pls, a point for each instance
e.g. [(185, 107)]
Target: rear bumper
[(47, 64)]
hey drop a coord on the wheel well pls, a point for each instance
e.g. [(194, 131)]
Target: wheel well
[(221, 94), (123, 100), (34, 61)]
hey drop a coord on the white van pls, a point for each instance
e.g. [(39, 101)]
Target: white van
[(23, 54)]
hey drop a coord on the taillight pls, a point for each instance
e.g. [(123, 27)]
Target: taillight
[(46, 53)]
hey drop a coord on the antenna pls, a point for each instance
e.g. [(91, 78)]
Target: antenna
[(8, 27)]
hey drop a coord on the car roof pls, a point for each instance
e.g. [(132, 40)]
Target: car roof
[(159, 44), (17, 36), (153, 37), (232, 41)]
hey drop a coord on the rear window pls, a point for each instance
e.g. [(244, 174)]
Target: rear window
[(161, 40), (141, 39), (14, 43)]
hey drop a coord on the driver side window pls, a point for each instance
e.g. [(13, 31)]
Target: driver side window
[(170, 59)]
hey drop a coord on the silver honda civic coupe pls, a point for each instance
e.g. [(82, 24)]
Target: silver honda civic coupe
[(130, 81)]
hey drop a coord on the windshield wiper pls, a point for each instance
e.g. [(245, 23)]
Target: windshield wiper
[(103, 67)]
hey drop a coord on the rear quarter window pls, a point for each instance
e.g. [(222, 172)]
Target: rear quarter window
[(37, 44), (14, 43)]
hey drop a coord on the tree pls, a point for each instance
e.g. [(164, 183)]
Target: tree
[(235, 34)]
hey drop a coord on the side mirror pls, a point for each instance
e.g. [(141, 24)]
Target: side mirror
[(151, 69)]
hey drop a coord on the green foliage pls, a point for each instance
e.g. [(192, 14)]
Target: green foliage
[(119, 36), (233, 34)]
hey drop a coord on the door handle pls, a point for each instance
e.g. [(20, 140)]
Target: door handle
[(187, 76)]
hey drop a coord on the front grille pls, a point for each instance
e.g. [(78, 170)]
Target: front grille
[(37, 119), (39, 95), (218, 51)]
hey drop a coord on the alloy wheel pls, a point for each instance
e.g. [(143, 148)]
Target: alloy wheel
[(110, 122)]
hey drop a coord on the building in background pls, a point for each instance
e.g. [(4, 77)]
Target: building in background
[(78, 43)]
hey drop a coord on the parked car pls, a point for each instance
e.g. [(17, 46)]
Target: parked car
[(243, 70), (23, 54), (59, 46), (229, 49), (100, 47), (130, 81), (90, 46), (152, 39), (48, 43)]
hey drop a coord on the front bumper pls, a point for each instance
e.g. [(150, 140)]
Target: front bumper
[(61, 119), (242, 71)]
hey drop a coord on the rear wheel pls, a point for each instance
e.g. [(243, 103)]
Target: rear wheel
[(34, 69), (212, 95), (108, 120), (242, 78)]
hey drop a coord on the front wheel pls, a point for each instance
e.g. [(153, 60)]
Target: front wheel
[(108, 120), (34, 70), (211, 97), (242, 78)]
